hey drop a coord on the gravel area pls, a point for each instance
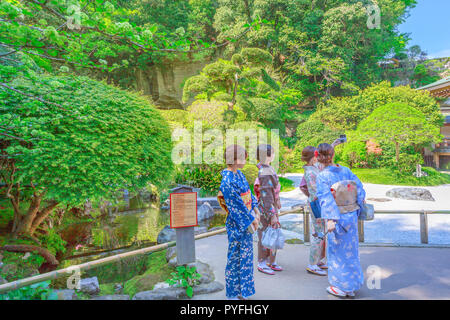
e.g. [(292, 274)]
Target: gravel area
[(390, 228)]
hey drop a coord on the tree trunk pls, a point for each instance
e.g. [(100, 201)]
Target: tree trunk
[(233, 100), (47, 255), (42, 215), (24, 226)]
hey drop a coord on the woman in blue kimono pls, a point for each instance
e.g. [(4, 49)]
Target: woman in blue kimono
[(344, 274), (240, 224)]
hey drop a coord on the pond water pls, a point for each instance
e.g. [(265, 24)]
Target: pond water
[(128, 228)]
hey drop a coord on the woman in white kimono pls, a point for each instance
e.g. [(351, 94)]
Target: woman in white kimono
[(344, 268)]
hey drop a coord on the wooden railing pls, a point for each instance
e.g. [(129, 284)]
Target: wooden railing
[(423, 215)]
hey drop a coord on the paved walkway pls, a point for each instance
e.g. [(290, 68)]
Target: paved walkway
[(406, 273)]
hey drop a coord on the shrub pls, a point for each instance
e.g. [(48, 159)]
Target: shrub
[(399, 124), (407, 162), (346, 113), (352, 153), (206, 177)]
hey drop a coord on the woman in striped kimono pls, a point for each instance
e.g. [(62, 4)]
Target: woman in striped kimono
[(344, 268)]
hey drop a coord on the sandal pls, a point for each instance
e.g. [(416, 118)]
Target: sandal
[(266, 270), (336, 292), (322, 266), (316, 270), (275, 267)]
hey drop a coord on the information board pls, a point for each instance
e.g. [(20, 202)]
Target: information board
[(183, 209)]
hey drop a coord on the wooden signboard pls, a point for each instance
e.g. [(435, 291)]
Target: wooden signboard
[(183, 217), (183, 209)]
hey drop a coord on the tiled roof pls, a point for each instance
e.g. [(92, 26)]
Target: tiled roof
[(434, 84)]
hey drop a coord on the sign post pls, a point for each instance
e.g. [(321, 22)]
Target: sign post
[(183, 218)]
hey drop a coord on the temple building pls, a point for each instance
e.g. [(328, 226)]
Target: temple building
[(439, 156)]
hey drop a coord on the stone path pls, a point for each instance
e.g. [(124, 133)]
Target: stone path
[(406, 273)]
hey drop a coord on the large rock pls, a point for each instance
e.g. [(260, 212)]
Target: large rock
[(207, 274), (113, 297), (90, 286), (410, 194), (166, 235), (174, 293), (212, 201), (205, 211), (210, 287), (171, 252), (66, 294), (159, 294)]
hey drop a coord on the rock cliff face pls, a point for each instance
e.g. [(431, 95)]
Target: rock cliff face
[(164, 83)]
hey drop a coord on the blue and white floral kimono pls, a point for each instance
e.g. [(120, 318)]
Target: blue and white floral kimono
[(344, 270), (240, 203)]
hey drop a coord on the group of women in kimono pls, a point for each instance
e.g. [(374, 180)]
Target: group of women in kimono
[(334, 242)]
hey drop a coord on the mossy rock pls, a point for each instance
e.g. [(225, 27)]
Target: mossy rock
[(157, 270)]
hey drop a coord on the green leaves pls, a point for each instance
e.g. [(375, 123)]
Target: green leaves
[(185, 277), (94, 139)]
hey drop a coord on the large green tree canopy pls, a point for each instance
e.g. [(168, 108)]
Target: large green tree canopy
[(91, 140), (324, 47)]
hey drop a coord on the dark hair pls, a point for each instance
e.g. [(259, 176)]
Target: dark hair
[(233, 153), (308, 153), (263, 151), (326, 153)]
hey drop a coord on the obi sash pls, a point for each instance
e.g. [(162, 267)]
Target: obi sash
[(345, 194)]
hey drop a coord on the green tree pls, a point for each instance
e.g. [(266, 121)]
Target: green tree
[(67, 139), (401, 125), (424, 76), (345, 113), (323, 47)]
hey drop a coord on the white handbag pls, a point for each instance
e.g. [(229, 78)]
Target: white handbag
[(272, 238)]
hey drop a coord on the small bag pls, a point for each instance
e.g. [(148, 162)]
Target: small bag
[(315, 208), (272, 238), (367, 212)]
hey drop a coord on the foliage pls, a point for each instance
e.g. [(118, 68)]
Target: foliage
[(352, 153), (407, 162), (212, 114), (104, 35), (206, 177), (250, 172), (17, 266), (424, 76), (286, 184), (400, 124), (37, 291), (185, 277), (325, 47), (345, 113), (81, 139), (53, 242), (313, 133), (391, 176)]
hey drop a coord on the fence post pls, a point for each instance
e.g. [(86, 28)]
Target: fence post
[(306, 224), (423, 228), (361, 230)]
